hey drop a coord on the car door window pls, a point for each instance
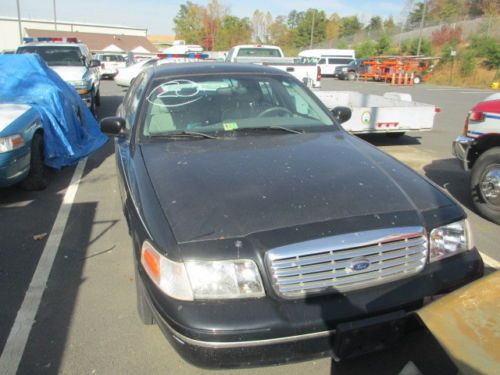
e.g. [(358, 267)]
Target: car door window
[(131, 101), (321, 61)]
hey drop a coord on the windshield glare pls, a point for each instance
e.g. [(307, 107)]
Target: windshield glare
[(226, 103), (57, 56)]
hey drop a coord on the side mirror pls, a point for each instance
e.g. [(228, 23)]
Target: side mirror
[(342, 114), (113, 126), (94, 63)]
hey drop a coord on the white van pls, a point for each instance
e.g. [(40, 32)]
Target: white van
[(330, 58)]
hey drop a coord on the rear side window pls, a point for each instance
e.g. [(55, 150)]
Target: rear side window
[(259, 52), (341, 61)]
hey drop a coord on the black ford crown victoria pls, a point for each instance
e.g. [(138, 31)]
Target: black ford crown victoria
[(262, 231)]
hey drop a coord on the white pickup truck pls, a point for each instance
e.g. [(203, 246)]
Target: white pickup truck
[(305, 70), (392, 114)]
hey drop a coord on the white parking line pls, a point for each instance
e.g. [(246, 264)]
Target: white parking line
[(19, 333)]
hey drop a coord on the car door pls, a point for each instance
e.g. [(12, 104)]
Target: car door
[(125, 146), (323, 66)]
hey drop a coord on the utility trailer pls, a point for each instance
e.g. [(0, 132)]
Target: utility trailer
[(393, 113)]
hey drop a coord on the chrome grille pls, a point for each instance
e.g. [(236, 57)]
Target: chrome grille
[(347, 262)]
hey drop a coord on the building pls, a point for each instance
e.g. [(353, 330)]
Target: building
[(9, 28), (102, 42), (162, 41)]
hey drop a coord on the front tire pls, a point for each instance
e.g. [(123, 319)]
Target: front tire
[(98, 99), (37, 175), (93, 107), (485, 184), (417, 80), (351, 76)]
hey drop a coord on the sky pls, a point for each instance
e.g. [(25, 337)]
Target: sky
[(157, 15)]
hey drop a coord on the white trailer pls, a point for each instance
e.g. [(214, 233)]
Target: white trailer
[(393, 113)]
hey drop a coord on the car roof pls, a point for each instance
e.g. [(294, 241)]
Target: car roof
[(212, 68), (45, 44)]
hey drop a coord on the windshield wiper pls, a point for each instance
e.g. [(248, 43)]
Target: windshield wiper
[(184, 134), (267, 128)]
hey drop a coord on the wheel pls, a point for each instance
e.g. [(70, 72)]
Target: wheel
[(417, 80), (92, 107), (98, 99), (351, 76), (266, 112), (37, 178), (395, 134), (143, 309), (485, 184)]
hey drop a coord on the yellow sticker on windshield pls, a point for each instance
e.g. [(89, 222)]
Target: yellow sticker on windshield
[(228, 126)]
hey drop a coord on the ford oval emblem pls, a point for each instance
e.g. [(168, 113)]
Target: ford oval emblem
[(359, 264)]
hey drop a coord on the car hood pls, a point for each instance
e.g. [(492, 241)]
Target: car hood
[(214, 189), (70, 73)]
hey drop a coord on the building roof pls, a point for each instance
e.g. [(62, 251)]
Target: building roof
[(161, 39), (102, 42)]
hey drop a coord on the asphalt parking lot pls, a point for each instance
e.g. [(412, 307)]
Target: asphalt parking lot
[(86, 322)]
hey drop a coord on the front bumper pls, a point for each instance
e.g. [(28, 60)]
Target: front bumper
[(267, 330), (14, 166), (461, 147)]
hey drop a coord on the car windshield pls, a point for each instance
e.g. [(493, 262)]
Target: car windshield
[(114, 58), (224, 103), (57, 55), (259, 51)]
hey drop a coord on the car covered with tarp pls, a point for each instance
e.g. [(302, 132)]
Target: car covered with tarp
[(43, 122)]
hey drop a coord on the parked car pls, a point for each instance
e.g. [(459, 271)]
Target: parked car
[(43, 122), (478, 148), (329, 64), (110, 63), (350, 71), (21, 147), (125, 75), (246, 52), (262, 231), (72, 61)]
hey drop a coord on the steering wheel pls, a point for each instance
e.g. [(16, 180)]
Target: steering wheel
[(275, 109)]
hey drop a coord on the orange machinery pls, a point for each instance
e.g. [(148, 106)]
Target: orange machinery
[(389, 68)]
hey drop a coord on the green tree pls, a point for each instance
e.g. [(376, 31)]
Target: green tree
[(366, 49), (350, 25), (189, 23), (375, 24), (233, 31), (303, 35), (332, 27), (389, 25), (467, 64), (410, 47), (383, 45)]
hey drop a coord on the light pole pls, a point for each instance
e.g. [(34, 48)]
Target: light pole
[(312, 30), (422, 20), (55, 16), (19, 22)]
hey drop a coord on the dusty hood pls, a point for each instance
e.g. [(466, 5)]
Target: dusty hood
[(211, 189)]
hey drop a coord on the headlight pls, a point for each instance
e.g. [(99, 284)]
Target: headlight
[(11, 142), (225, 279), (344, 69), (449, 240), (202, 280)]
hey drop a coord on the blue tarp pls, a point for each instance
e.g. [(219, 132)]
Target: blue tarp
[(68, 137)]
